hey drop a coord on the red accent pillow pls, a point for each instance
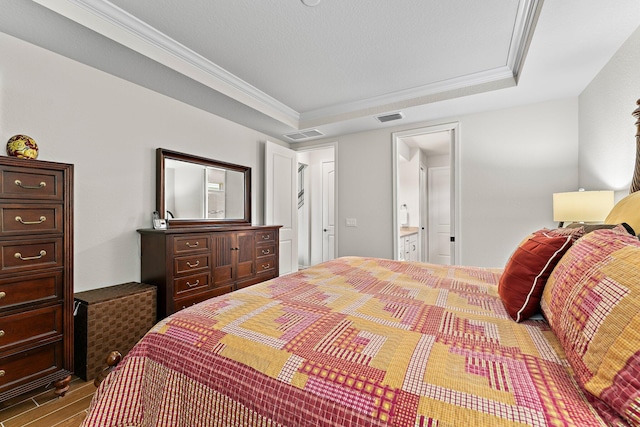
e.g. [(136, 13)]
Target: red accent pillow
[(522, 282)]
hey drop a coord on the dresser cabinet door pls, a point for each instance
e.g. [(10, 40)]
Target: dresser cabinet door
[(245, 247), (223, 257)]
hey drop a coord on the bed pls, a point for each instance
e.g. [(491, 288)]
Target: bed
[(553, 339)]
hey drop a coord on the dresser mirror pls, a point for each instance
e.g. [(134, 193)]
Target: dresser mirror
[(196, 191)]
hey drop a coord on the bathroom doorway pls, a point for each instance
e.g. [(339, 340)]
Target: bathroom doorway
[(425, 194)]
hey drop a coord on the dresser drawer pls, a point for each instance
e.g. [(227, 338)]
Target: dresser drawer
[(33, 219), (191, 243), (266, 264), (30, 289), (265, 251), (191, 264), (190, 284), (190, 300), (26, 183), (265, 236), (29, 327), (31, 255), (23, 367)]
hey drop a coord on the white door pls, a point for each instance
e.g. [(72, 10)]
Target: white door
[(439, 230), (328, 211), (280, 200), (423, 242)]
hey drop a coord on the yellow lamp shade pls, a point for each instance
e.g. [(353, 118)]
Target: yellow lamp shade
[(582, 206)]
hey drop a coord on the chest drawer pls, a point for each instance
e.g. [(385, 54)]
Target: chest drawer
[(33, 219), (191, 264), (30, 326), (26, 183), (30, 289), (185, 285), (191, 243), (20, 368), (31, 255)]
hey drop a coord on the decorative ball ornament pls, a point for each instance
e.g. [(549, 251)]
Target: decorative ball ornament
[(22, 146)]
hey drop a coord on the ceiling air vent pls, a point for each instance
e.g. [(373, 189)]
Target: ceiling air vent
[(304, 134), (389, 117)]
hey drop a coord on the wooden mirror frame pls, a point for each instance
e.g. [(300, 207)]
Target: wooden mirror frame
[(163, 154)]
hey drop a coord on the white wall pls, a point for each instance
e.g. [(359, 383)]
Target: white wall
[(511, 162), (607, 143), (109, 129)]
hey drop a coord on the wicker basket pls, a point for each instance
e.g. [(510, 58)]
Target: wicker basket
[(107, 319)]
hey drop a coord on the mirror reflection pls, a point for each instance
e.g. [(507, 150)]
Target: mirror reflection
[(195, 189), (198, 191)]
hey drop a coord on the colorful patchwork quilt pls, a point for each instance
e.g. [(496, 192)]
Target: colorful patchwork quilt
[(351, 342)]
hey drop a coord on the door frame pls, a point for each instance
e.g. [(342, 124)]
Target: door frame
[(454, 162), (321, 146)]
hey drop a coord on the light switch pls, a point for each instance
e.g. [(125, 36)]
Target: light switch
[(351, 222)]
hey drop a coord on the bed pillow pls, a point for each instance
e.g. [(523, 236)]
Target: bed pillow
[(592, 303), (521, 284), (626, 210)]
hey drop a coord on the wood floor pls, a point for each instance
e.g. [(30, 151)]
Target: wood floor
[(42, 408)]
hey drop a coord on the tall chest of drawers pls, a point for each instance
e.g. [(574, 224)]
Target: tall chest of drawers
[(190, 265), (36, 275)]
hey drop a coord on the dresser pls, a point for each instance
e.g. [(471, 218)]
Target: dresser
[(190, 265), (36, 275)]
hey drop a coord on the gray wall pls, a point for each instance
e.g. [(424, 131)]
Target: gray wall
[(511, 162), (607, 143), (109, 129)]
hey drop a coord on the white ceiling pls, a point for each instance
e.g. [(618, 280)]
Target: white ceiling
[(280, 66)]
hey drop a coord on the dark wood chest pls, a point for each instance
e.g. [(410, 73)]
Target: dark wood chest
[(36, 275)]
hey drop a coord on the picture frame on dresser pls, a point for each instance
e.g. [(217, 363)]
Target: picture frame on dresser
[(36, 276)]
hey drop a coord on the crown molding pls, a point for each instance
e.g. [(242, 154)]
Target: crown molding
[(107, 19), (492, 79)]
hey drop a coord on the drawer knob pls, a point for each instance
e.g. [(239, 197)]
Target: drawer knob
[(193, 265), (194, 284), (3, 294), (266, 251), (189, 245), (1, 333), (29, 258), (21, 221), (265, 266), (30, 187), (266, 236), (2, 372)]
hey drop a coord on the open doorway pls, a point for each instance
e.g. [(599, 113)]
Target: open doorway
[(316, 205), (300, 195), (425, 194)]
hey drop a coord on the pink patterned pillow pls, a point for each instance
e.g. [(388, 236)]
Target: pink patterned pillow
[(592, 303)]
